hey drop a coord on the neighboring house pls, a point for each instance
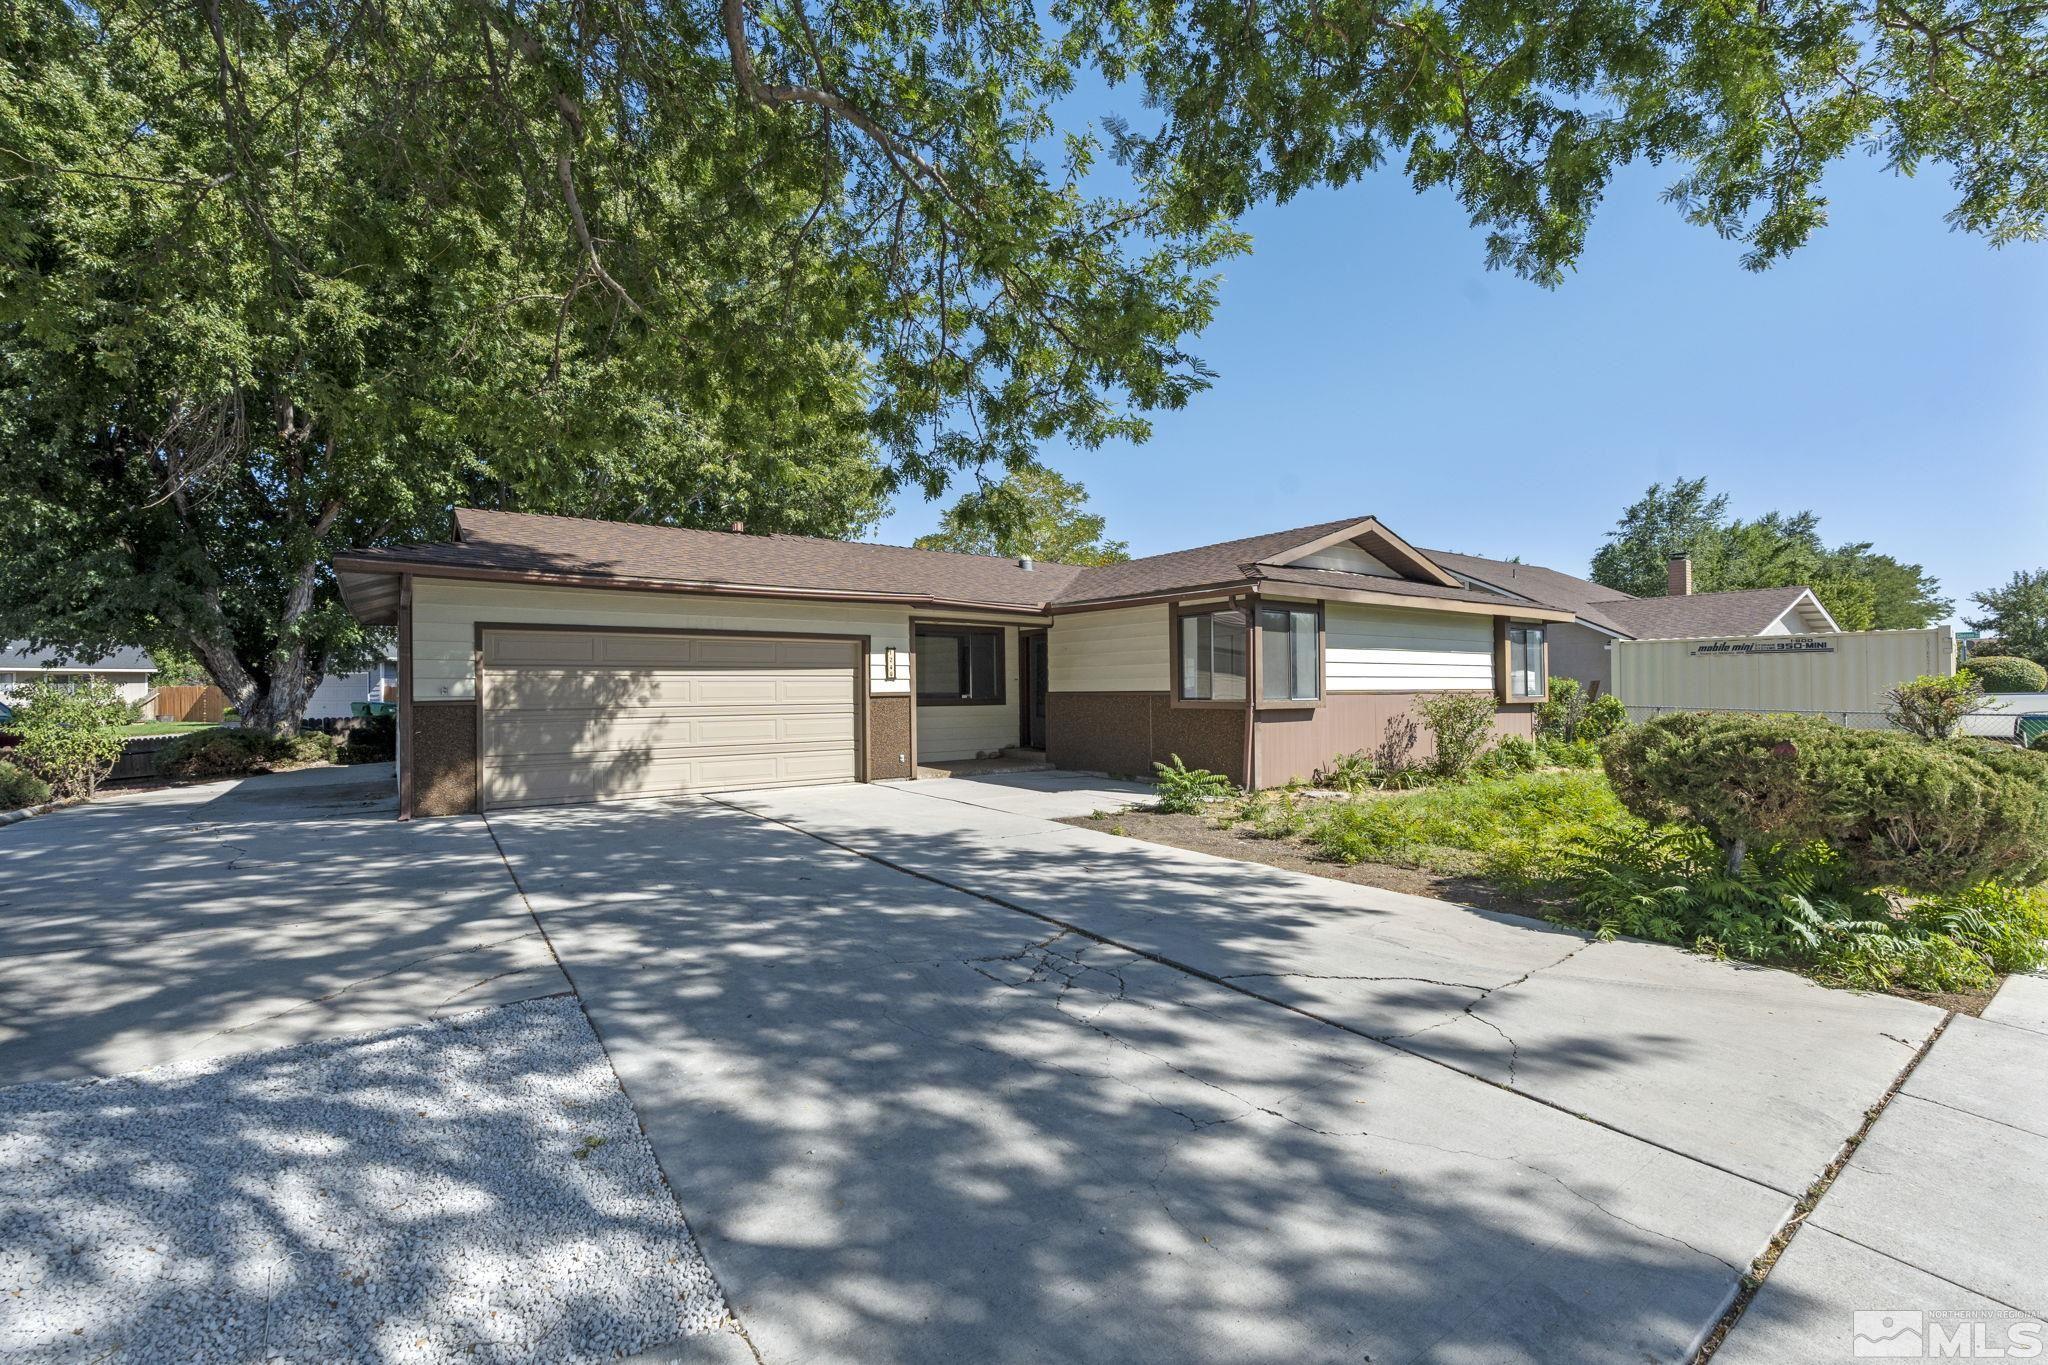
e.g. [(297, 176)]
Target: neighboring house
[(338, 694), (550, 659), (131, 671), (1600, 615)]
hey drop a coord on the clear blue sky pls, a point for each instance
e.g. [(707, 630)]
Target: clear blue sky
[(1892, 376)]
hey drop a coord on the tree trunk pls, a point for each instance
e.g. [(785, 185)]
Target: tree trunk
[(1736, 849)]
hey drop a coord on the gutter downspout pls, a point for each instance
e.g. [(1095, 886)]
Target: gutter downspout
[(405, 697), (1251, 691)]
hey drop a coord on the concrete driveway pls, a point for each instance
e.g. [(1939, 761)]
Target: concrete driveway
[(935, 1077), (200, 921), (916, 1108)]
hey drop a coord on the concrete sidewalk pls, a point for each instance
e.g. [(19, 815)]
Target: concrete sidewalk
[(1938, 1225)]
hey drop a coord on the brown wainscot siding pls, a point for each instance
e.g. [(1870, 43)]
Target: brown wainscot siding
[(1294, 744), (888, 737), (1125, 733), (444, 760)]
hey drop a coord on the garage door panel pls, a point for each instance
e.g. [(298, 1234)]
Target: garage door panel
[(578, 716)]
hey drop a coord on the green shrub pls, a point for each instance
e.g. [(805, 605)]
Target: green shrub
[(1800, 905), (1933, 707), (1571, 715), (1184, 790), (237, 753), (19, 788), (2003, 673), (1271, 815), (1521, 831), (1578, 753), (70, 734), (1352, 772), (1512, 755), (1900, 812), (1460, 723)]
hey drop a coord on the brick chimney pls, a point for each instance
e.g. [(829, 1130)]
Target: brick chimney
[(1678, 576)]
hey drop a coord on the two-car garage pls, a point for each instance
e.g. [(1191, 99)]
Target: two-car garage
[(589, 715)]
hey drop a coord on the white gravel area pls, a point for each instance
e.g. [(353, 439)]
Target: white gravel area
[(476, 1189)]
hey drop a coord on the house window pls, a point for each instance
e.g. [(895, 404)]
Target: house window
[(1526, 673), (1290, 660), (1212, 656), (959, 666)]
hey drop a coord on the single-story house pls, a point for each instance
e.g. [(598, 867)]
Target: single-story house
[(1581, 647), (551, 659), (338, 693), (131, 671)]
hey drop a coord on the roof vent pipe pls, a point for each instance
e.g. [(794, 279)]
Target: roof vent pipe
[(1024, 563)]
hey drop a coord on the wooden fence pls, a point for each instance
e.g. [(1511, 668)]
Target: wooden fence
[(138, 757), (206, 704)]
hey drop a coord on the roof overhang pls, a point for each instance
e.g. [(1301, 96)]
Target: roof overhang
[(1813, 618), (370, 588), (1384, 545), (1516, 611)]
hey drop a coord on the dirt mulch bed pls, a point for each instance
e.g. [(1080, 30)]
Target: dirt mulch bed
[(1197, 834)]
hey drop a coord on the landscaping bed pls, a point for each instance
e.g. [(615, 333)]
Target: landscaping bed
[(1906, 861)]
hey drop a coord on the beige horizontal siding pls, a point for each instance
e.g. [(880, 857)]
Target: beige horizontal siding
[(1347, 557), (1124, 649), (1390, 649), (1850, 673), (949, 732), (446, 612)]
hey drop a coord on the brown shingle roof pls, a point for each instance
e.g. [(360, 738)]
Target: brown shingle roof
[(1227, 561), (547, 547), (1394, 587), (1702, 613), (513, 542), (1580, 596)]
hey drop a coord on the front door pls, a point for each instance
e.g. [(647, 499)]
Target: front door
[(1033, 673)]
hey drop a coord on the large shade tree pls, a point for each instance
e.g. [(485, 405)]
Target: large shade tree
[(279, 276), (1862, 589)]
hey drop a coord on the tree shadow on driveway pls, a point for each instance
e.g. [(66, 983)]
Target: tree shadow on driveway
[(907, 1124)]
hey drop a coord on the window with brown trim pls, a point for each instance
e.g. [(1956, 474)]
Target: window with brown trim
[(1527, 665), (959, 666), (1290, 654), (1210, 655)]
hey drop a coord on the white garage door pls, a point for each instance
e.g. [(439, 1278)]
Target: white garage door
[(595, 716)]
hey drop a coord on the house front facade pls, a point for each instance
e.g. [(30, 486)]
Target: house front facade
[(130, 672), (546, 660)]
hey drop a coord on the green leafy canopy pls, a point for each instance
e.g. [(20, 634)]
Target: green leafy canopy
[(1031, 512), (1861, 589), (280, 277)]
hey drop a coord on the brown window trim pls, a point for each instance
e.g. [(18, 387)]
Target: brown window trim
[(1181, 612), (1002, 696), (1322, 655), (1503, 663)]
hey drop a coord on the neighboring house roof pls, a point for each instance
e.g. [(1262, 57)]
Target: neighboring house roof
[(1718, 613), (17, 657), (1749, 611)]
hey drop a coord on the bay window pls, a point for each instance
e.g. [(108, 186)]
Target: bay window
[(1212, 655), (1290, 654)]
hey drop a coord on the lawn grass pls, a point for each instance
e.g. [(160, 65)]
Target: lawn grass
[(167, 727)]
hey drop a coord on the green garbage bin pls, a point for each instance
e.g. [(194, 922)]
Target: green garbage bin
[(2032, 726)]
